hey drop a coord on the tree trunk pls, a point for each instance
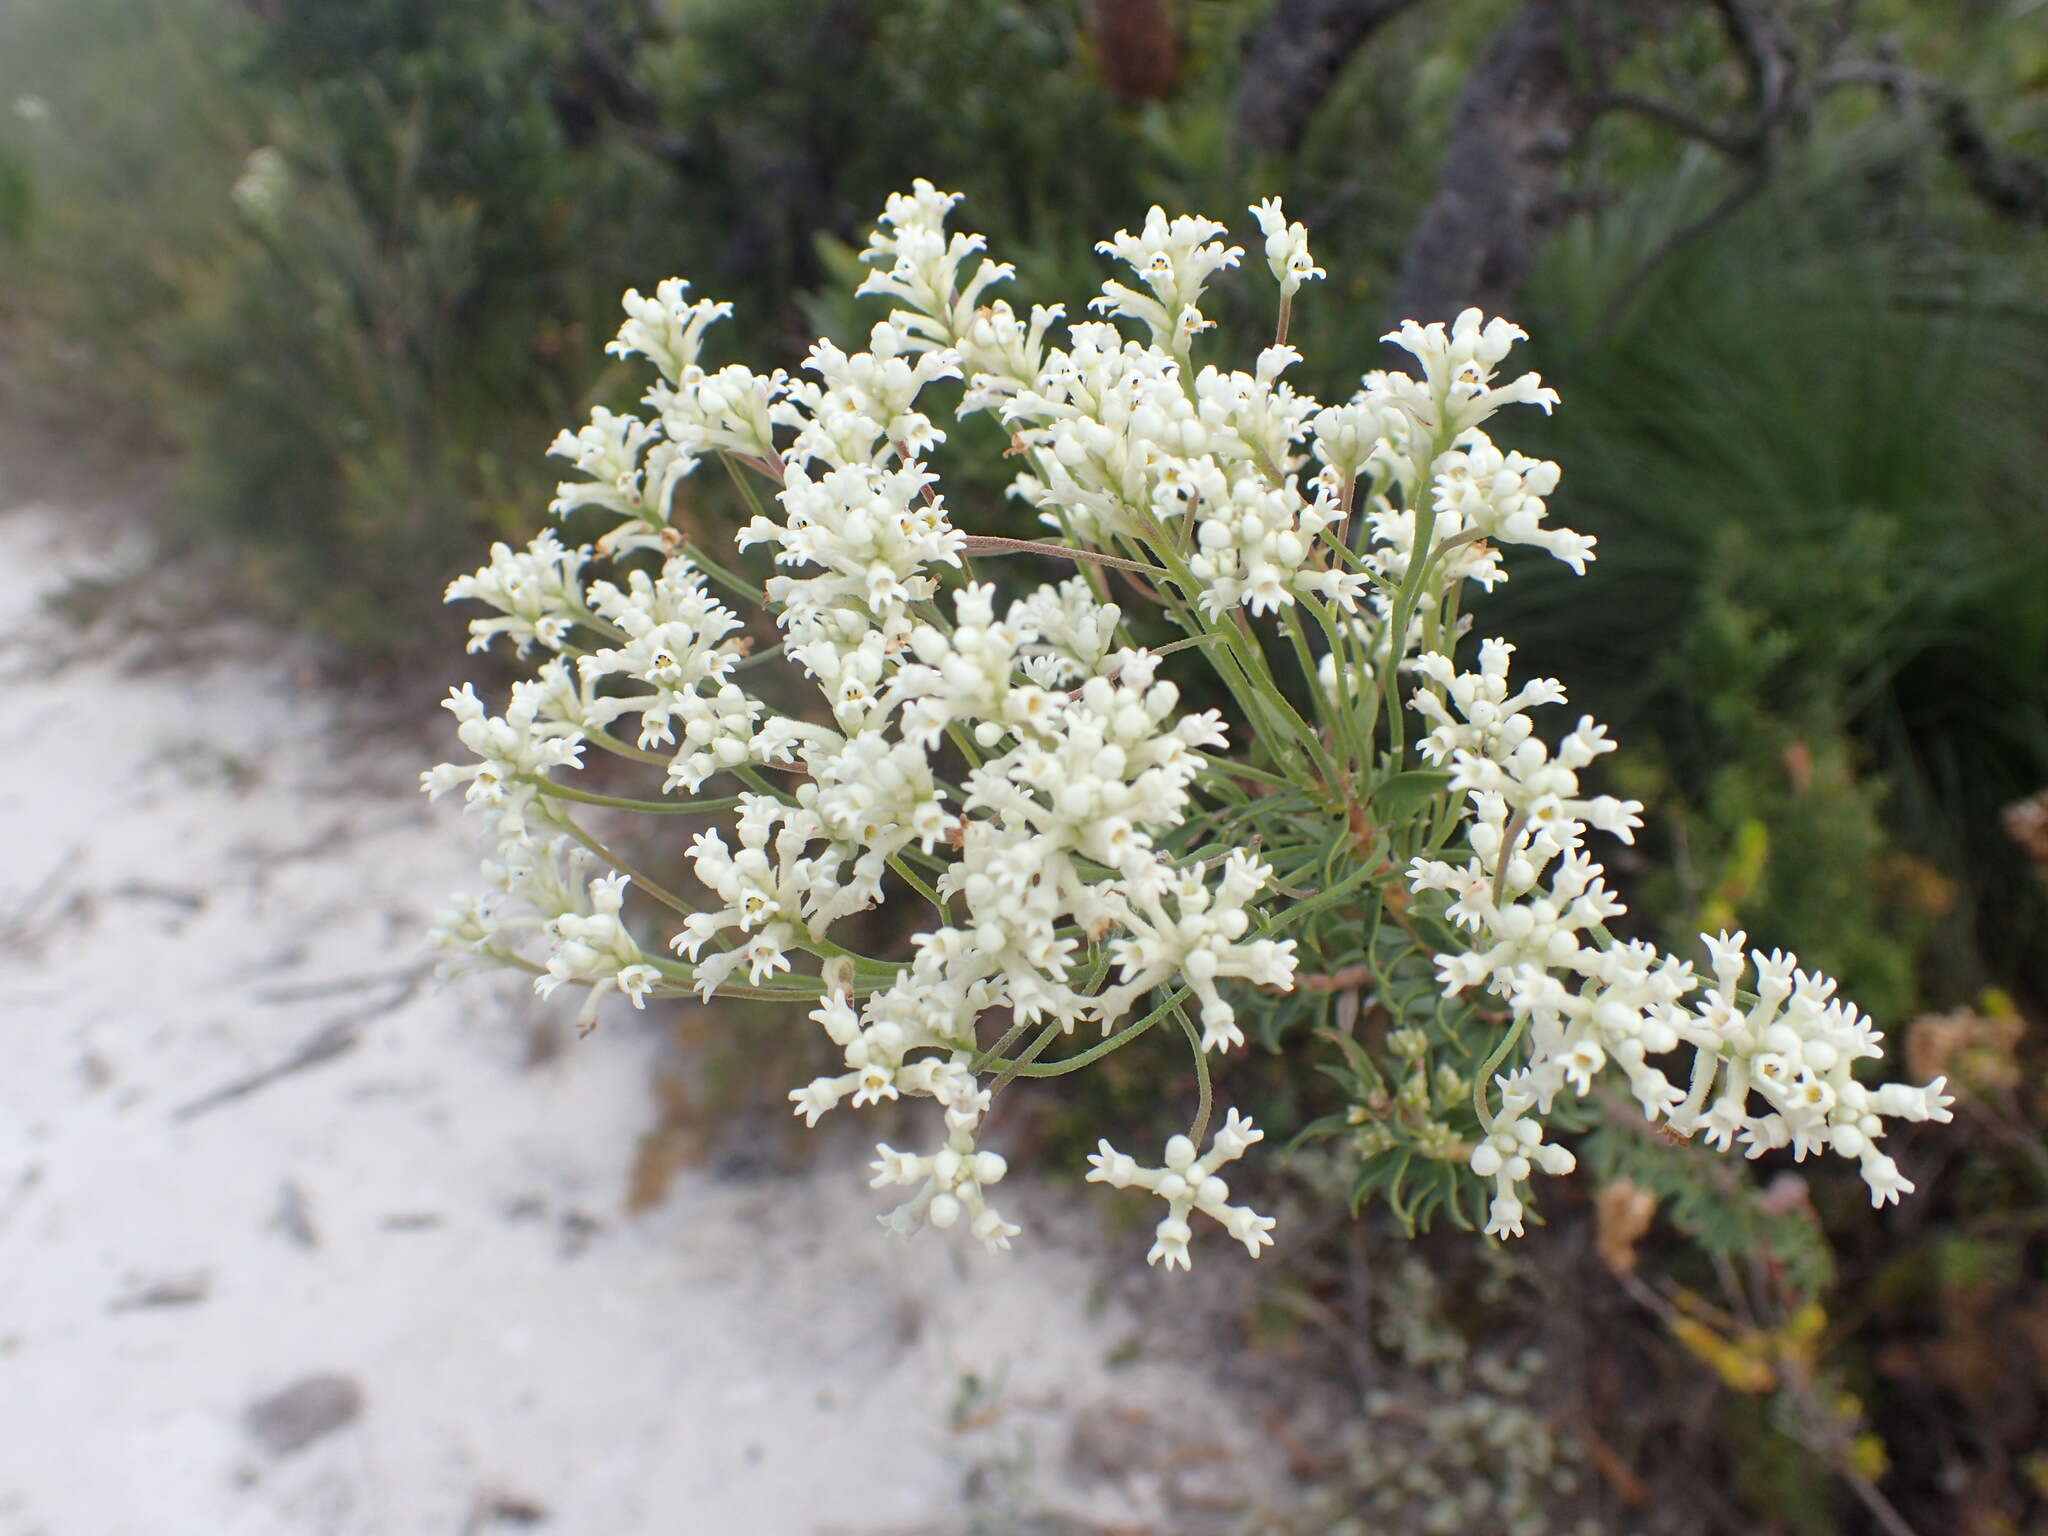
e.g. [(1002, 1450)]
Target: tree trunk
[(1499, 190), (1293, 61)]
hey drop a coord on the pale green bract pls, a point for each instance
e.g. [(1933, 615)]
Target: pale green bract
[(1089, 855)]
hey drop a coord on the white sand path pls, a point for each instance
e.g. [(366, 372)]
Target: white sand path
[(204, 876)]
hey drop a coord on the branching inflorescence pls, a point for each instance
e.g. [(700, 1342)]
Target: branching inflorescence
[(1088, 854)]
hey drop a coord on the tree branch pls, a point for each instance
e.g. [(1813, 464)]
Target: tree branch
[(2014, 186), (1497, 194), (1771, 71), (1292, 62), (1726, 141), (602, 85)]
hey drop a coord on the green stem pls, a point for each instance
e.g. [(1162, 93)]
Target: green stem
[(1358, 716), (556, 791), (1492, 1065), (719, 573), (1455, 541), (660, 893), (745, 486), (1205, 1100), (517, 962), (1403, 614), (607, 742), (917, 885), (1225, 768), (758, 657), (1255, 698), (750, 776), (995, 1052), (585, 619), (737, 989), (1116, 1042), (960, 739), (988, 544), (1333, 706), (1023, 1064), (1316, 903)]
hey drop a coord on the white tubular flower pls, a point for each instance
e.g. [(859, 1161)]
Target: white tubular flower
[(465, 932), (1113, 412), (1114, 763), (1543, 787), (1251, 422), (593, 947), (851, 677), (1017, 886), (1624, 1012), (872, 534), (877, 1043), (1286, 248), (765, 900), (1258, 550), (969, 673), (720, 731), (952, 1181), (883, 383), (919, 266), (1198, 942), (1488, 721), (1109, 427), (1075, 634), (1794, 1048), (542, 880), (1458, 371), (1500, 496), (531, 885), (667, 329), (1001, 355), (633, 475), (513, 750), (876, 797), (1175, 260), (538, 592), (607, 449), (1349, 437), (1188, 1183), (564, 700), (1536, 905), (1510, 1152), (675, 648), (730, 411)]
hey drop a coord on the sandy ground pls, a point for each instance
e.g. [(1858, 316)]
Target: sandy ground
[(292, 1240)]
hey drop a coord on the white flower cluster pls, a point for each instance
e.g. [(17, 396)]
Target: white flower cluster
[(1534, 901), (1021, 765), (1024, 754), (1189, 1183), (1537, 907)]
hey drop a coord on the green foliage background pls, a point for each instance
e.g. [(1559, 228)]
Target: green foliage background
[(1811, 442)]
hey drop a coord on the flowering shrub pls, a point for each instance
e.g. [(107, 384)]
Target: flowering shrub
[(1365, 831)]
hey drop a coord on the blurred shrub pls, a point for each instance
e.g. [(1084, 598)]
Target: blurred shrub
[(367, 253), (1828, 584), (16, 199), (360, 252), (116, 148)]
